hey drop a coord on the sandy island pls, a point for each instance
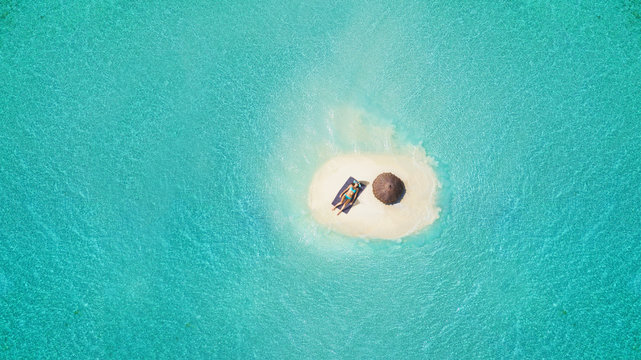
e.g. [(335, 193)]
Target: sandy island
[(370, 218)]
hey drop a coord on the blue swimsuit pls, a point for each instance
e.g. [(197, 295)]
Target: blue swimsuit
[(347, 196)]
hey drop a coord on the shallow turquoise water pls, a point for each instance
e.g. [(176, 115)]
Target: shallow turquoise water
[(148, 154)]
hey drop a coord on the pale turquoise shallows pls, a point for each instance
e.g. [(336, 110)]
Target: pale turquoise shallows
[(145, 146)]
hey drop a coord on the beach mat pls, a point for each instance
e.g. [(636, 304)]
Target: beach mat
[(337, 198)]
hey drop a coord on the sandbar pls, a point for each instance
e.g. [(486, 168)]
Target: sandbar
[(370, 218)]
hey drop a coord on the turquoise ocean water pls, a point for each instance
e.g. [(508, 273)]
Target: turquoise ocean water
[(155, 158)]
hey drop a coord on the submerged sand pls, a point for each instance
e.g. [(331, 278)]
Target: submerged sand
[(370, 218)]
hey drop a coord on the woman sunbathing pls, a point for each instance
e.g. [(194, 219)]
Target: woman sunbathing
[(348, 196)]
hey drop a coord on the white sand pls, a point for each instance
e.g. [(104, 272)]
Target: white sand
[(370, 218)]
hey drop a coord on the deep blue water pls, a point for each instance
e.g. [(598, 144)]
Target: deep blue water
[(154, 159)]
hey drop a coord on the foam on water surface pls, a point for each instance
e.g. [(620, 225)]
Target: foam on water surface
[(342, 130)]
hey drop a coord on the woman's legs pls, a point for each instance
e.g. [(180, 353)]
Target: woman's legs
[(342, 202), (343, 207)]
